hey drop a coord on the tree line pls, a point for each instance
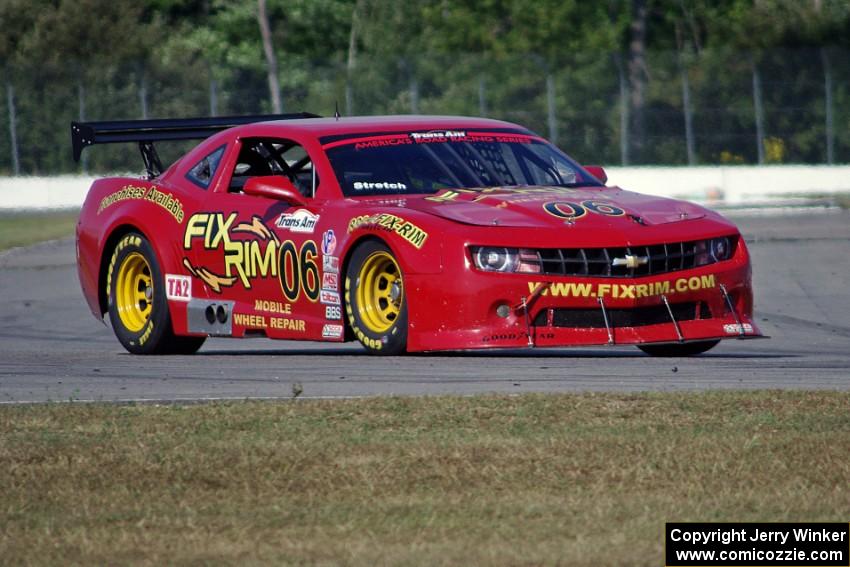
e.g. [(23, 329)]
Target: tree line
[(611, 81)]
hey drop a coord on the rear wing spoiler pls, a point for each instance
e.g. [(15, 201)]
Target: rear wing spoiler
[(146, 132)]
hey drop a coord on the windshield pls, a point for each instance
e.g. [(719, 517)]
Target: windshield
[(426, 162)]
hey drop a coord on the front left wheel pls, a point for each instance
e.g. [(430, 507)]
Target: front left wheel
[(138, 307), (375, 302)]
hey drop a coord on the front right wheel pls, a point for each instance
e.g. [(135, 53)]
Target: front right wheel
[(375, 302)]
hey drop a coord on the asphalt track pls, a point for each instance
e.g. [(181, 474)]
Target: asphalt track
[(52, 349)]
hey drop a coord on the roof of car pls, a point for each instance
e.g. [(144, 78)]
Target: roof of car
[(360, 124)]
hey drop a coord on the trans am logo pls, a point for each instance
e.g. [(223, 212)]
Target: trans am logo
[(301, 220)]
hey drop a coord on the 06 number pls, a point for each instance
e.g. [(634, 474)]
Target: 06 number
[(299, 270), (573, 211)]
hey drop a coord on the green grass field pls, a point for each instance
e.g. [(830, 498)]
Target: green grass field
[(530, 480), (23, 228)]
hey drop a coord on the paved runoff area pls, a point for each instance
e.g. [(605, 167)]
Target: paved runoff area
[(52, 349)]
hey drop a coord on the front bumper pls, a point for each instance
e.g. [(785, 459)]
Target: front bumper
[(475, 310)]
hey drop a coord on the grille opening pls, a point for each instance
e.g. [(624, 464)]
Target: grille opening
[(635, 317), (660, 259)]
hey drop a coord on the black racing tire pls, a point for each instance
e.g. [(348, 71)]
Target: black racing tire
[(137, 303), (375, 300), (684, 349)]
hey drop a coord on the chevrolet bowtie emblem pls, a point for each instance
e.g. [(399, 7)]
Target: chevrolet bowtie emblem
[(630, 261)]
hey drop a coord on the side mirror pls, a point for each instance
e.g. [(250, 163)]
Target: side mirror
[(598, 172), (274, 187)]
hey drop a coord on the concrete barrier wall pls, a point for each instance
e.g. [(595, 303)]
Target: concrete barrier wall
[(732, 185), (60, 192)]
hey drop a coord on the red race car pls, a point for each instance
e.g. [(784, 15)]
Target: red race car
[(406, 233)]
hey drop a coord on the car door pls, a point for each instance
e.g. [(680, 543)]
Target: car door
[(262, 254)]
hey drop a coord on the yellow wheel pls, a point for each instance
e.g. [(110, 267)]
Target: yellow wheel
[(380, 292), (375, 301), (137, 303), (134, 292)]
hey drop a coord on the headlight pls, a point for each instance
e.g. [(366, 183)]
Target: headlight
[(713, 250), (499, 259), (721, 249), (492, 259)]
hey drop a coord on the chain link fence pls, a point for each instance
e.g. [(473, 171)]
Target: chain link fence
[(715, 107)]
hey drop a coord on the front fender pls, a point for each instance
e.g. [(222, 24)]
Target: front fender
[(415, 241)]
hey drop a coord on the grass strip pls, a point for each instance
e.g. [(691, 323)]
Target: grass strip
[(583, 479), (29, 227)]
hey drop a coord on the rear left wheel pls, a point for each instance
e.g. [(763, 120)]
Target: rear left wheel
[(375, 301), (138, 308)]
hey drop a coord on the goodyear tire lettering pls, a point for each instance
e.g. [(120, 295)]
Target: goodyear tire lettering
[(390, 338)]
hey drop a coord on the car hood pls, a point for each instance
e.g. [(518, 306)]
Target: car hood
[(525, 207)]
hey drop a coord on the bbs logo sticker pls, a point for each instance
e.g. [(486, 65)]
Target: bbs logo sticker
[(333, 312)]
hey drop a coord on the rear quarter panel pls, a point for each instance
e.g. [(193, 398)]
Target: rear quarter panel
[(115, 206)]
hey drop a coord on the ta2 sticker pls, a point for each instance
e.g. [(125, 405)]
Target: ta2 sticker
[(178, 288)]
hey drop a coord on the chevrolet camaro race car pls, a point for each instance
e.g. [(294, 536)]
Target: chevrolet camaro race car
[(406, 233)]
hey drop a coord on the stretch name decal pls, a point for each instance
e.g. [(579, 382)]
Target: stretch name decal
[(392, 223), (151, 194), (365, 185), (624, 291)]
